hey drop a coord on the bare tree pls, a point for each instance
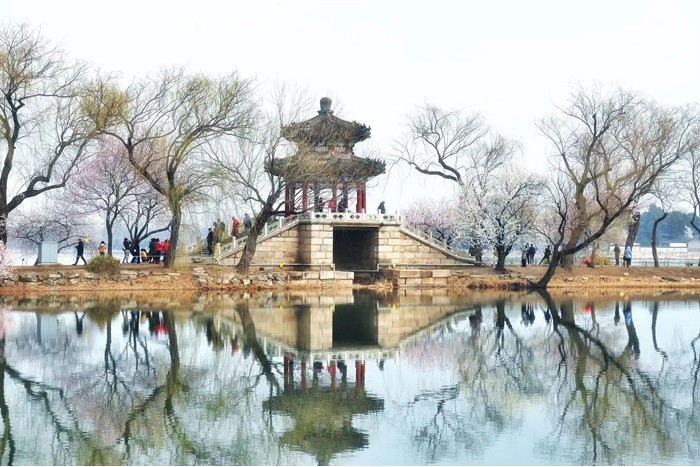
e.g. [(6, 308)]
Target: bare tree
[(244, 165), (451, 145), (43, 132), (144, 215), (164, 122), (496, 196), (666, 193), (608, 153)]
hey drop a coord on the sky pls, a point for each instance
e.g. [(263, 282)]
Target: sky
[(511, 61)]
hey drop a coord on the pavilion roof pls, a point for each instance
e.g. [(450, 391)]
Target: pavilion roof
[(326, 129), (313, 166)]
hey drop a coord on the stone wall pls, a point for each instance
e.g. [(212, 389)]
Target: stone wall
[(316, 243), (278, 249), (400, 248), (418, 277)]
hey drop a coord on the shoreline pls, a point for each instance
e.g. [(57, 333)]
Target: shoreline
[(194, 278)]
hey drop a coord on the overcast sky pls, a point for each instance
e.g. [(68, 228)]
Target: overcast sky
[(509, 60)]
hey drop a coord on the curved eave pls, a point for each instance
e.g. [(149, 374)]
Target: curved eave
[(326, 129), (333, 168)]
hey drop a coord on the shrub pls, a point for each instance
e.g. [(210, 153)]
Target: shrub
[(602, 261), (104, 265)]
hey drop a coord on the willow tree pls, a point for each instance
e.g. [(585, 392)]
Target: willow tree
[(241, 164), (44, 135), (608, 152), (165, 122)]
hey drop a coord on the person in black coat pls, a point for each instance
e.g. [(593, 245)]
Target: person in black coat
[(210, 242), (79, 250)]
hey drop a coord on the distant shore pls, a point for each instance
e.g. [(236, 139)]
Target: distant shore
[(149, 277)]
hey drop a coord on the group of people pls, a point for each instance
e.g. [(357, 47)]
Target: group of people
[(528, 251), (156, 252), (626, 257), (80, 250), (239, 229)]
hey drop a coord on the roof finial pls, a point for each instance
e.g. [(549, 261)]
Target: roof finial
[(325, 106)]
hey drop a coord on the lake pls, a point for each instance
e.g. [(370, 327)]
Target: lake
[(358, 378)]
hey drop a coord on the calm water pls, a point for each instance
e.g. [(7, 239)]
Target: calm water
[(353, 379)]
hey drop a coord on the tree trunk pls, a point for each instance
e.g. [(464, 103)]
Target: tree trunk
[(653, 238), (251, 241), (176, 209), (500, 261), (3, 215), (109, 224), (594, 253), (553, 263), (633, 227)]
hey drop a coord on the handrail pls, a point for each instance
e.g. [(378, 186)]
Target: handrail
[(281, 224)]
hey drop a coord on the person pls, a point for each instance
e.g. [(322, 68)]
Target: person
[(331, 205), (531, 253), (343, 205), (135, 255), (381, 209), (160, 250), (627, 257), (152, 250), (126, 248), (166, 249), (523, 254), (235, 227), (79, 250), (144, 255), (319, 204), (210, 241), (616, 250), (547, 254), (247, 224), (102, 248)]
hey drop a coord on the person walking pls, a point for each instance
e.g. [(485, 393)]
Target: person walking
[(126, 248), (616, 250), (102, 248), (381, 209), (627, 257), (547, 254), (79, 250), (210, 241)]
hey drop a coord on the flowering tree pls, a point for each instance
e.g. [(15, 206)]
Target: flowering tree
[(438, 217), (496, 196), (107, 184), (6, 261), (55, 222), (165, 123), (497, 208)]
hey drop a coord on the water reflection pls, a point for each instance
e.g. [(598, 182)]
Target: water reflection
[(359, 378)]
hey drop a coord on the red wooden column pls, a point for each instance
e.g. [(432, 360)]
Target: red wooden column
[(334, 198), (361, 197)]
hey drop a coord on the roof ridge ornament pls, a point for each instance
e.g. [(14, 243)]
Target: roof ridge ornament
[(326, 103)]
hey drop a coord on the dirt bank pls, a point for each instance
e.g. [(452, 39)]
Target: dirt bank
[(213, 277)]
